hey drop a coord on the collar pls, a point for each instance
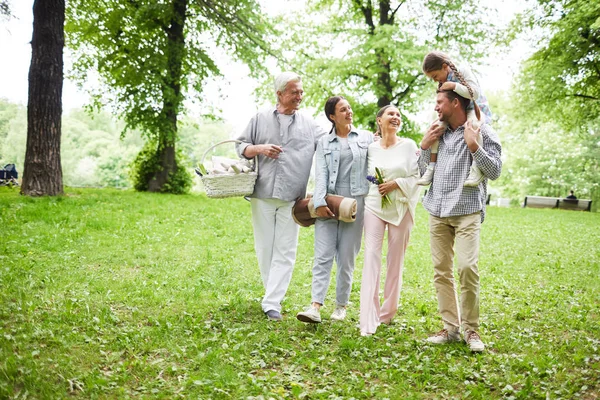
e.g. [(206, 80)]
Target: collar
[(276, 113), (333, 136)]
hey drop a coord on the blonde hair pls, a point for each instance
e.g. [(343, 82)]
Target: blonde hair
[(435, 60)]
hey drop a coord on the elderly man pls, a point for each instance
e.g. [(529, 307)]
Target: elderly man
[(284, 141), (456, 214)]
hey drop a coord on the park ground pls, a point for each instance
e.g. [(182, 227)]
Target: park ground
[(115, 294)]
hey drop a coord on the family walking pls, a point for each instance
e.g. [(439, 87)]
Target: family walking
[(457, 155)]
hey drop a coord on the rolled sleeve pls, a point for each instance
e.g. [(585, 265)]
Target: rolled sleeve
[(424, 159), (321, 177)]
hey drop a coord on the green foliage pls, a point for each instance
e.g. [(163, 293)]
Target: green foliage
[(117, 294), (562, 79), (150, 56), (147, 163), (371, 52), (93, 153)]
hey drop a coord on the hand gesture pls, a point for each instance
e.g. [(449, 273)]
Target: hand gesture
[(470, 136), (387, 187), (324, 212), (448, 86), (433, 133), (270, 150)]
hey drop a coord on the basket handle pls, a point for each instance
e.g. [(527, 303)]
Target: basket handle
[(229, 141)]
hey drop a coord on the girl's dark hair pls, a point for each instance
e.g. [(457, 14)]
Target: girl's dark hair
[(435, 61), (330, 108), (379, 114)]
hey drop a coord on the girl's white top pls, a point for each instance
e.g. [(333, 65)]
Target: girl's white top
[(399, 163)]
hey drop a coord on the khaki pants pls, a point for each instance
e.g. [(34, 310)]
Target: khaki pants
[(462, 233)]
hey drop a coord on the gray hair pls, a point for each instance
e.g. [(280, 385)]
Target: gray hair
[(284, 78)]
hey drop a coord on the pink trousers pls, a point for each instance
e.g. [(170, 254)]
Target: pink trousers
[(371, 313)]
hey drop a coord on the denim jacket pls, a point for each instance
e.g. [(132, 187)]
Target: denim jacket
[(328, 160)]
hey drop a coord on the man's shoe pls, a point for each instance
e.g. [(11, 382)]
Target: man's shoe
[(312, 315), (474, 341), (339, 314), (274, 315), (444, 336), (475, 177), (427, 176)]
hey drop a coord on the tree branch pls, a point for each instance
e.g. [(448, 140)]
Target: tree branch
[(403, 93), (367, 11), (393, 14), (583, 96)]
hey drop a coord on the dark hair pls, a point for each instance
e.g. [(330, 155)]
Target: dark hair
[(435, 61), (330, 108), (452, 95), (379, 114)]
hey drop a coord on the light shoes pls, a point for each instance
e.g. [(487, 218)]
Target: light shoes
[(339, 314), (444, 336), (475, 176), (427, 176), (474, 341), (273, 315), (312, 315), (452, 336)]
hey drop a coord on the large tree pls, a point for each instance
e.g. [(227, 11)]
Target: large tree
[(561, 80), (149, 55), (371, 51), (42, 173)]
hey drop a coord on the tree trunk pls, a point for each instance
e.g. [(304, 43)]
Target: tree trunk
[(172, 96), (42, 173), (384, 83)]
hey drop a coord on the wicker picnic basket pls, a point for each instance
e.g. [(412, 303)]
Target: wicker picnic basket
[(219, 186)]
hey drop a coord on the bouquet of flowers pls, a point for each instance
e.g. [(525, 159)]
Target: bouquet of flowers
[(377, 180)]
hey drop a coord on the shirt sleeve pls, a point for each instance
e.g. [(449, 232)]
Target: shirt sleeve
[(488, 157), (471, 80), (424, 159), (247, 137), (321, 177)]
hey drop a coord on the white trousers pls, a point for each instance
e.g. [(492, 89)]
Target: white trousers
[(275, 243)]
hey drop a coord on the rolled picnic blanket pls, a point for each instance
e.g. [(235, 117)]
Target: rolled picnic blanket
[(344, 209)]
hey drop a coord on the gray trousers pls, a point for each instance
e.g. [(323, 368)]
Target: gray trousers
[(339, 240)]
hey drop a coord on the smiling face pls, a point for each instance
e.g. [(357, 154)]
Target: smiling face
[(443, 107), (390, 119), (343, 113), (439, 75), (291, 97)]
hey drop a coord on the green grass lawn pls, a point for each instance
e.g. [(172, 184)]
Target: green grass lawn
[(116, 294)]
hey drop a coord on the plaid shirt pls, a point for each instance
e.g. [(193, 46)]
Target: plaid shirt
[(447, 197)]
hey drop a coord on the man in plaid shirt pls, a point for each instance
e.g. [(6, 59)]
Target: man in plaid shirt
[(456, 213)]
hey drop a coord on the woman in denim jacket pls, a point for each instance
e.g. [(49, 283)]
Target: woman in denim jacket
[(341, 169)]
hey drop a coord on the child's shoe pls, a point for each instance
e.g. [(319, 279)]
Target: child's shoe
[(475, 177), (427, 176)]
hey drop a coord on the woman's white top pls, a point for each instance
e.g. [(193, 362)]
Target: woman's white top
[(399, 163)]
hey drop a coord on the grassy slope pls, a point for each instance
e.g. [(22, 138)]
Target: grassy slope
[(112, 294)]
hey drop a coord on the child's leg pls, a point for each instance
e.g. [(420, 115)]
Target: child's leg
[(434, 151), (428, 175), (471, 116)]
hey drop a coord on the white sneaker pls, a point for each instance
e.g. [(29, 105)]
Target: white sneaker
[(475, 176), (474, 341), (311, 315), (427, 176), (339, 314), (444, 336)]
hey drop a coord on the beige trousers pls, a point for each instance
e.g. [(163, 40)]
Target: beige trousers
[(446, 235)]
